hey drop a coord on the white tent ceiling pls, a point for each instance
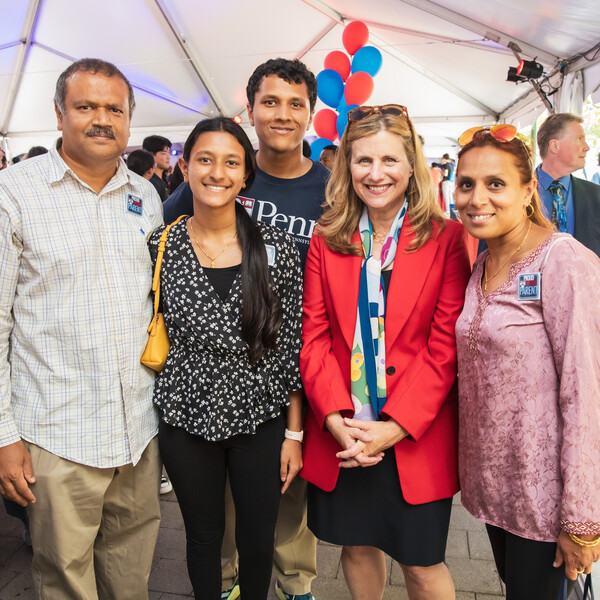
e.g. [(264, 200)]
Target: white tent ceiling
[(445, 60)]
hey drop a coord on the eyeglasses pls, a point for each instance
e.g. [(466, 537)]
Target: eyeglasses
[(503, 132), (363, 112)]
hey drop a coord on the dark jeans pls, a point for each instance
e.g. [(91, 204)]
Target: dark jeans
[(525, 566), (197, 469)]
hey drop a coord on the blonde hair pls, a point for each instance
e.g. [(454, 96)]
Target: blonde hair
[(343, 207)]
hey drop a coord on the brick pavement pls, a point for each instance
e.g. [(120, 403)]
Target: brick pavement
[(469, 559)]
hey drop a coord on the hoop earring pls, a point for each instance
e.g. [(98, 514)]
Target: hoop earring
[(526, 210)]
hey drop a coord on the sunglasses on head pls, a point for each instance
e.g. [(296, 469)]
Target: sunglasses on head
[(363, 112), (501, 132)]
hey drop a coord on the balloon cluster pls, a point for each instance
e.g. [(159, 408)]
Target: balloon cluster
[(344, 84)]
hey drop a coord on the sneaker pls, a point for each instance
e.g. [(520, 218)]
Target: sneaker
[(165, 485), (283, 596), (232, 593)]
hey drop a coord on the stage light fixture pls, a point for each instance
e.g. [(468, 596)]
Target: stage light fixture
[(513, 76), (530, 69)]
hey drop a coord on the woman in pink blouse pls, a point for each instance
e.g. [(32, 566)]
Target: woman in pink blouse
[(529, 374)]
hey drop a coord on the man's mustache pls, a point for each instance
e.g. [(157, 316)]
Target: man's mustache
[(101, 131)]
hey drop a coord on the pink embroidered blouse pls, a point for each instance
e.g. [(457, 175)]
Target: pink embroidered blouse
[(529, 394)]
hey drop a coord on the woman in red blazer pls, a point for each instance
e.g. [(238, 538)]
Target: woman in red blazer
[(384, 284)]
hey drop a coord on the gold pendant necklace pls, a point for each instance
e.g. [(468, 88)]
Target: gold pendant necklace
[(211, 258), (379, 237), (488, 279)]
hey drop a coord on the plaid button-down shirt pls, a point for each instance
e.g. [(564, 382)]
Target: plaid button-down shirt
[(74, 307)]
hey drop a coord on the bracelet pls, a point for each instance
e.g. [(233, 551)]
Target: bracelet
[(584, 543), (297, 436)]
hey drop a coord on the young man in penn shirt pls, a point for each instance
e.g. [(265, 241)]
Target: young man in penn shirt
[(289, 188), (288, 192)]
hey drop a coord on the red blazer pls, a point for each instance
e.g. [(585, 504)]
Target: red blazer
[(424, 300)]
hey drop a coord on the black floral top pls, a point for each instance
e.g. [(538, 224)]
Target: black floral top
[(207, 386)]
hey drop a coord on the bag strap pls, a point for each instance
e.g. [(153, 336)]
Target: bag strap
[(159, 258), (588, 590), (552, 244)]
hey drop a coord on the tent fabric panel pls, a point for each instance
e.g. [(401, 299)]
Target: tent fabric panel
[(231, 38), (34, 107), (562, 28), (475, 72), (133, 35), (14, 19)]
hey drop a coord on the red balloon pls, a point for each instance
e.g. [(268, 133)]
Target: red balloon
[(339, 62), (325, 124), (359, 88), (355, 36)]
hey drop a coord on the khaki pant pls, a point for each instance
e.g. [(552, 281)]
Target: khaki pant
[(93, 530), (295, 559)]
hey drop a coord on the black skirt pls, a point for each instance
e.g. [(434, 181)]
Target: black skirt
[(367, 508)]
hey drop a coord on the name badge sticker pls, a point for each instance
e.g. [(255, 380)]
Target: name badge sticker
[(530, 286), (247, 203), (270, 254), (134, 204)]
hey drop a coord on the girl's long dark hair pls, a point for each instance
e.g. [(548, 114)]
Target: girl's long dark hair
[(261, 308)]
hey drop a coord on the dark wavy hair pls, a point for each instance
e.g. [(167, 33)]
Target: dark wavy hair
[(156, 143), (262, 315), (292, 71), (176, 178), (140, 161)]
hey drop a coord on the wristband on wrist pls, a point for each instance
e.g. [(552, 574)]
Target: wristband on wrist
[(297, 436)]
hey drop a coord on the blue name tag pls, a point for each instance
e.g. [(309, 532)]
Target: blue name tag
[(270, 254), (530, 286), (134, 204)]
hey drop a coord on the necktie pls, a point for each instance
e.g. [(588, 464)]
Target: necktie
[(559, 208)]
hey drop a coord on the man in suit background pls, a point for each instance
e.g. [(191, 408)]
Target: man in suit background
[(572, 204)]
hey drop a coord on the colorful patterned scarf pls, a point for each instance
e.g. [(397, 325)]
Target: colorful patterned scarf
[(367, 365)]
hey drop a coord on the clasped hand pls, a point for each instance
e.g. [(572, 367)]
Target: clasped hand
[(363, 442)]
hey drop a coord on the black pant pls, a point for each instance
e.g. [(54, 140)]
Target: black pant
[(197, 468), (525, 566)]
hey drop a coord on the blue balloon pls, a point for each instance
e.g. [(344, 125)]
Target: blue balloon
[(317, 147), (342, 120), (330, 87), (367, 59), (342, 104)]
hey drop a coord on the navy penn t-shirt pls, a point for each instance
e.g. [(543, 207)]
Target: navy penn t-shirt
[(293, 205)]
